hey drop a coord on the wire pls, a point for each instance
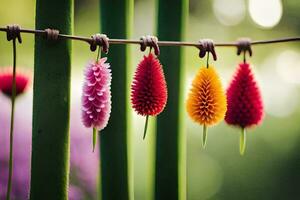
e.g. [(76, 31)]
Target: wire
[(160, 43)]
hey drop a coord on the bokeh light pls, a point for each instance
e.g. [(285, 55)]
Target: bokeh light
[(288, 66), (280, 96), (266, 13), (229, 12)]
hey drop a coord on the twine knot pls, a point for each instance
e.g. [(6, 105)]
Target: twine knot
[(51, 34), (207, 46), (100, 40), (13, 32), (150, 41)]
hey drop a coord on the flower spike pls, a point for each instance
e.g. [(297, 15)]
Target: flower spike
[(96, 97), (149, 89), (245, 105), (206, 103)]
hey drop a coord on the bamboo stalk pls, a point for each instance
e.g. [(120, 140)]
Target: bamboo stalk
[(115, 179), (170, 147), (51, 103)]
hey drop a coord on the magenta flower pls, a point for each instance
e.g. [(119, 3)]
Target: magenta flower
[(96, 98)]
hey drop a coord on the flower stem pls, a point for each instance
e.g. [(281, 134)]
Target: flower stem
[(94, 138), (146, 126), (204, 136), (243, 141), (98, 54), (11, 137), (207, 60)]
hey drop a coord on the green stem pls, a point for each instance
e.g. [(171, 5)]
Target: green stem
[(243, 141), (204, 136), (95, 132), (207, 60), (11, 138), (98, 54), (51, 103), (170, 157), (145, 128), (94, 129)]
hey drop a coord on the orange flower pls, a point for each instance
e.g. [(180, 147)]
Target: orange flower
[(206, 103)]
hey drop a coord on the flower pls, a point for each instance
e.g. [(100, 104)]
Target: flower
[(149, 89), (206, 103), (96, 96), (245, 106), (6, 82)]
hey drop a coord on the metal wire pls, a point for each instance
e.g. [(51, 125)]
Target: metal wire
[(160, 43)]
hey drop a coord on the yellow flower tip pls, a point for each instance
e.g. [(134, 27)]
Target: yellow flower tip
[(206, 103)]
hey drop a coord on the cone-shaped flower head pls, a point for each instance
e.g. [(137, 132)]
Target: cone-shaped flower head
[(6, 82), (245, 106), (96, 96), (149, 88), (206, 103)]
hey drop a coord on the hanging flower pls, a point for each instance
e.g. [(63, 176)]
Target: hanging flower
[(96, 97), (206, 103), (6, 82), (149, 89), (245, 106)]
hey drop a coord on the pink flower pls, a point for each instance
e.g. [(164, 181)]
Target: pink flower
[(96, 97), (6, 81)]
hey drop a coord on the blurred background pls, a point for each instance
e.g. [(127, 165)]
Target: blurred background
[(269, 168)]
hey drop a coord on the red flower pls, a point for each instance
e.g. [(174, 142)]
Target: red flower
[(244, 102), (149, 88), (6, 82)]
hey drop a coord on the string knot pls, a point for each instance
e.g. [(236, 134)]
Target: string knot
[(150, 41), (51, 34), (207, 46), (244, 45), (13, 32), (100, 40)]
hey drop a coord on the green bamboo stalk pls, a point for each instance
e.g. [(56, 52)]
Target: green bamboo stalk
[(51, 103), (115, 179), (170, 147)]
